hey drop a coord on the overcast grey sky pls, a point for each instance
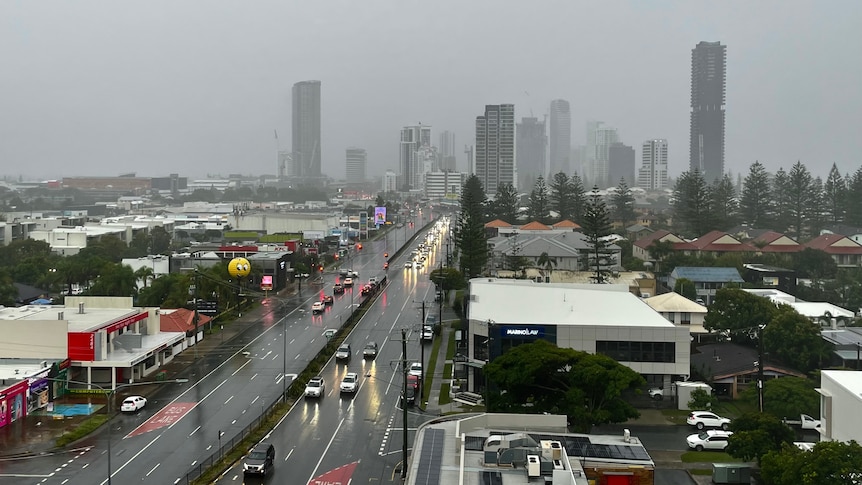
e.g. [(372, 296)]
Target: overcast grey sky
[(197, 87)]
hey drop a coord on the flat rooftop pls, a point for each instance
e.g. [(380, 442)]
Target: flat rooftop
[(524, 302), (91, 320), (450, 450)]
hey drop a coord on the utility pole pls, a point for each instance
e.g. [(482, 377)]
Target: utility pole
[(404, 401), (760, 366), (442, 291)]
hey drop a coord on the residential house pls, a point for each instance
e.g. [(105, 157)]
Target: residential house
[(846, 252), (492, 229), (641, 247), (772, 242), (840, 401), (707, 280), (854, 233), (715, 243), (823, 313), (763, 276), (846, 346), (183, 320), (730, 368), (679, 310), (570, 250)]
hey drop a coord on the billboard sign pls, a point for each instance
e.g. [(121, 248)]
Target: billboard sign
[(379, 216), (266, 282)]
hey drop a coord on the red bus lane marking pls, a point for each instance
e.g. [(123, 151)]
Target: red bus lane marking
[(338, 476), (164, 418)]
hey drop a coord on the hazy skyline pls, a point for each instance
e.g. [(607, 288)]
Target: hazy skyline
[(197, 87)]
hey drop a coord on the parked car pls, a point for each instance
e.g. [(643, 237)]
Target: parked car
[(343, 352), (350, 382), (317, 307), (133, 403), (656, 393), (315, 387), (259, 460), (706, 419), (415, 369), (370, 350), (709, 440), (338, 288)]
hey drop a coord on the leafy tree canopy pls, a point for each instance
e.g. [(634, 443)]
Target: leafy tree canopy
[(755, 434), (829, 463), (586, 387)]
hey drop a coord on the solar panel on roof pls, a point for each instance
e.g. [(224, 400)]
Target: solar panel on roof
[(431, 457)]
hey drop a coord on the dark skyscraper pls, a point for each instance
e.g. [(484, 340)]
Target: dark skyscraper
[(306, 129), (561, 138), (706, 152), (530, 151), (621, 164)]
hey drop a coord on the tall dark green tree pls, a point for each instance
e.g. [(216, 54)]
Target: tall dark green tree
[(800, 197), (470, 237), (596, 226), (723, 203), (853, 205), (623, 202), (755, 205), (579, 198), (834, 196), (691, 204), (781, 219), (562, 200), (817, 211), (505, 204), (539, 201)]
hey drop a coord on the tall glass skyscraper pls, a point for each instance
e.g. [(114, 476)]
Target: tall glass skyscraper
[(306, 129), (706, 144), (495, 147), (561, 138)]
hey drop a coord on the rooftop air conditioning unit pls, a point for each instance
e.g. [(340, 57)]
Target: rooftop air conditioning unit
[(533, 467), (558, 465), (627, 436)]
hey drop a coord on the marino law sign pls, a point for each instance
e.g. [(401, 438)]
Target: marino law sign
[(523, 332)]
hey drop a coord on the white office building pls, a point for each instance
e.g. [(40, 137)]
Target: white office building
[(444, 185), (355, 163), (495, 147), (390, 181), (603, 319), (653, 172)]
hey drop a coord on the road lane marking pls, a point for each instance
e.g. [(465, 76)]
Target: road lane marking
[(228, 400), (240, 367), (195, 431), (255, 399), (325, 450), (289, 453), (153, 469), (118, 470)]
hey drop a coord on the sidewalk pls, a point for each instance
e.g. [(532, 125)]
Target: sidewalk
[(37, 434)]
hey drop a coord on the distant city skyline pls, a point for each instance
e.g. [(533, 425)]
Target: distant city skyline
[(105, 89)]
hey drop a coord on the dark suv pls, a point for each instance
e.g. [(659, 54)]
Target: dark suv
[(259, 460)]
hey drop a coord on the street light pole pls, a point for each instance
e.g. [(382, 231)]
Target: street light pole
[(760, 365), (109, 397)]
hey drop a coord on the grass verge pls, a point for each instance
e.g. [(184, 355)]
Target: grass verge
[(444, 393), (428, 372), (451, 347), (86, 427), (676, 416)]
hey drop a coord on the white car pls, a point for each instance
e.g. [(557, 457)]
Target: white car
[(416, 369), (709, 440), (348, 282), (349, 383), (427, 332), (133, 403), (318, 307), (408, 264), (315, 387), (372, 280), (706, 419)]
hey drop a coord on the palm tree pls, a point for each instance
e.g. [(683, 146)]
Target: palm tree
[(548, 262), (144, 274)]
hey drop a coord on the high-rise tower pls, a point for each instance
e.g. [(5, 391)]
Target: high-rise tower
[(306, 129), (355, 163), (414, 138), (561, 138), (495, 146), (706, 143), (653, 172), (530, 151)]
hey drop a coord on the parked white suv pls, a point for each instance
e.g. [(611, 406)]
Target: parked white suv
[(709, 440), (706, 419)]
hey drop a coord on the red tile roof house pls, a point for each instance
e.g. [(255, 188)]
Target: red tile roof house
[(715, 244), (492, 229), (776, 243), (182, 320), (641, 247), (846, 252)]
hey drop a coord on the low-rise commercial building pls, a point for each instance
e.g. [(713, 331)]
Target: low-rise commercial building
[(840, 401), (599, 319)]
